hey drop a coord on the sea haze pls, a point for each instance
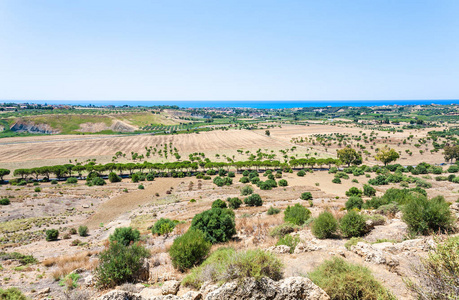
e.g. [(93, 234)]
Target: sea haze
[(264, 104)]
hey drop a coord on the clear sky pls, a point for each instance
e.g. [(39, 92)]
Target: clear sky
[(229, 50)]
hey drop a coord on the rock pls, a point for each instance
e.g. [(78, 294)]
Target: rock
[(170, 287), (311, 245), (374, 254), (369, 224), (148, 293), (281, 249), (120, 295), (192, 295), (89, 280), (44, 291), (341, 252), (268, 289), (85, 205)]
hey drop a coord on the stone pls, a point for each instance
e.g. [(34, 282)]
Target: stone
[(281, 249), (44, 291), (120, 295), (148, 293), (288, 289), (192, 295), (170, 287)]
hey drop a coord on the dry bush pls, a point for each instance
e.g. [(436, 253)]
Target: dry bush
[(67, 263), (181, 228)]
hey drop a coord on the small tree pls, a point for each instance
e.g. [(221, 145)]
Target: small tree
[(163, 227), (352, 224), (349, 156), (219, 204), (234, 203), (353, 191), (125, 236), (83, 230), (267, 133), (217, 224), (119, 264), (324, 225), (306, 196), (189, 249), (354, 202), (113, 177), (253, 200), (296, 214), (52, 235), (387, 155), (368, 190)]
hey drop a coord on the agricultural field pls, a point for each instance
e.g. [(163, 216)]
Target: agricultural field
[(300, 192)]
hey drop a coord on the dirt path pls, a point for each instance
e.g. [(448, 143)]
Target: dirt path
[(116, 206)]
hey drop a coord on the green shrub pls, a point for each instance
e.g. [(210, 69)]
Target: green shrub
[(54, 181), (301, 173), (306, 196), (283, 182), (71, 180), (37, 190), (219, 204), (135, 178), (352, 242), (112, 177), (342, 281), (244, 179), (379, 180), (163, 226), (150, 176), (352, 224), (324, 226), (354, 202), (125, 236), (353, 191), (12, 294), (388, 209), (217, 224), (424, 216), (253, 200), (296, 214), (5, 201), (221, 181), (341, 175), (336, 180), (234, 202), (52, 235), (141, 187), (119, 264), (290, 241), (189, 249), (368, 190), (246, 190), (97, 181), (273, 211), (453, 169), (438, 273), (225, 264), (83, 230), (21, 258)]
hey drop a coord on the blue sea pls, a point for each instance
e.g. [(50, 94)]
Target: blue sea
[(265, 104)]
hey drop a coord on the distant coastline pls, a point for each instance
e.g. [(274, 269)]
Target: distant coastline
[(259, 104)]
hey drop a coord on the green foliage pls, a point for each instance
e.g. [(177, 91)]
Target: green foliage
[(217, 224), (296, 214), (96, 181), (399, 196), (354, 202), (52, 235), (301, 173), (273, 211), (336, 180), (71, 180), (290, 241), (21, 258), (225, 264), (244, 179), (112, 177), (221, 181), (352, 224), (342, 281), (135, 178), (119, 264), (163, 226), (234, 202), (71, 281), (141, 187), (283, 182), (5, 201), (352, 242), (253, 200), (281, 230), (438, 273), (453, 169), (246, 190), (12, 294), (306, 196), (353, 191), (424, 216), (368, 190), (125, 236), (83, 230), (324, 226), (379, 180), (189, 249), (219, 204)]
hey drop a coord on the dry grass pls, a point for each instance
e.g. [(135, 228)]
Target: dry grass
[(67, 263)]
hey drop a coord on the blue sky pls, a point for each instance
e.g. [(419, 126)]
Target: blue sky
[(229, 50)]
